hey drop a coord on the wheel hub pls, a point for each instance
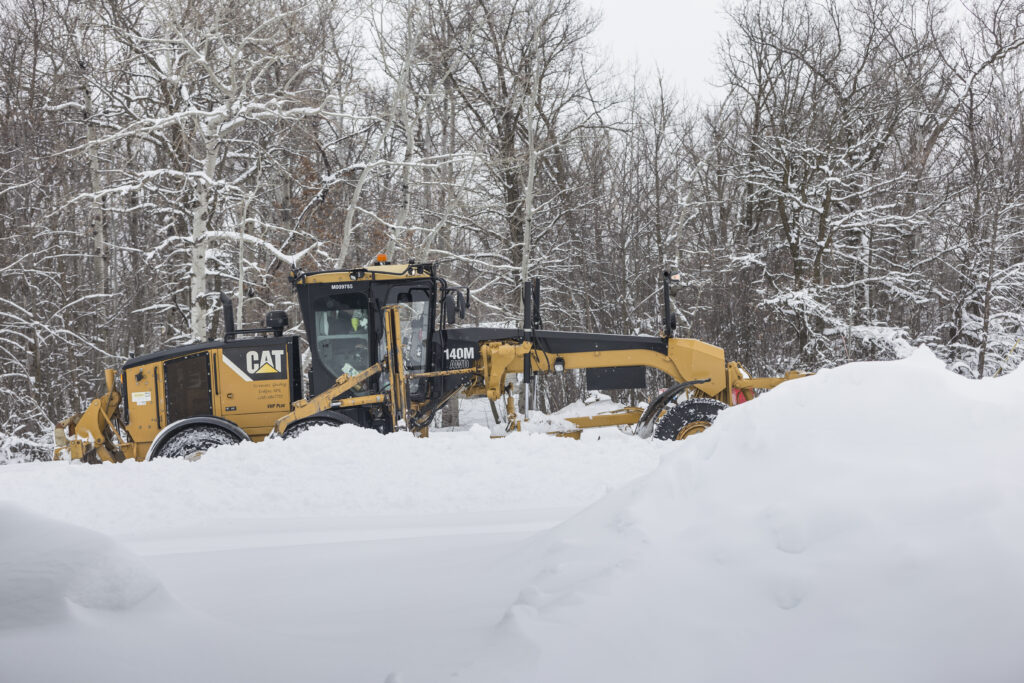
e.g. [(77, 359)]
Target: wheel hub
[(695, 427)]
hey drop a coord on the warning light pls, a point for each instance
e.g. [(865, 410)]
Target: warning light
[(382, 259)]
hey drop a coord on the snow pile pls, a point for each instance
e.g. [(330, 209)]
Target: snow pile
[(45, 566), (332, 473), (595, 403), (864, 524)]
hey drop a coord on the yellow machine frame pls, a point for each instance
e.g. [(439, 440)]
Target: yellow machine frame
[(97, 434)]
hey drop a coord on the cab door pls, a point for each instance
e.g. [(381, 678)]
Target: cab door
[(339, 329), (416, 308)]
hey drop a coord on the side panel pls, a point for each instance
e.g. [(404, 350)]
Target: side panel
[(454, 353), (141, 399), (254, 384)]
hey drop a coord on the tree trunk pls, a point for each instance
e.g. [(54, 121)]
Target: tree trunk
[(531, 172), (986, 314), (97, 226), (200, 224)]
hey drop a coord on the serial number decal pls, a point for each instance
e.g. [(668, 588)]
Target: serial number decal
[(341, 286)]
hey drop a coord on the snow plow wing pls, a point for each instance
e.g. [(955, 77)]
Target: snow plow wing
[(90, 435)]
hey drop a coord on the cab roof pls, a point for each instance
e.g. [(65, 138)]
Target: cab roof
[(387, 271)]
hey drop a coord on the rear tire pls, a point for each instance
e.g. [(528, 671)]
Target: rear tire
[(191, 442), (687, 418)]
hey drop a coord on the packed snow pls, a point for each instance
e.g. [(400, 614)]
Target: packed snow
[(861, 524)]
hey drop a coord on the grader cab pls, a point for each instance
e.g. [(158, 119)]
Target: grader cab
[(385, 354)]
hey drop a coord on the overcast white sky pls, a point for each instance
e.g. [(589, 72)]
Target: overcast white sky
[(679, 36)]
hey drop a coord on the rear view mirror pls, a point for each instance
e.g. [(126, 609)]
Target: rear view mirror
[(449, 306), (463, 304)]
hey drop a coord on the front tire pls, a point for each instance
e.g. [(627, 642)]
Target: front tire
[(688, 418), (191, 443), (326, 419)]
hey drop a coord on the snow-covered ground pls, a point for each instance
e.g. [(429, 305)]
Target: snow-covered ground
[(340, 555), (860, 525)]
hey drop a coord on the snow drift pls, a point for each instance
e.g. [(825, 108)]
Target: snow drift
[(47, 566), (75, 605), (864, 524)]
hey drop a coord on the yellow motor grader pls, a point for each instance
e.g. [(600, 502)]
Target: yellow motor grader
[(386, 355)]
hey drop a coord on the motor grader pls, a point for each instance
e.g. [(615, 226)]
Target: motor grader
[(386, 354)]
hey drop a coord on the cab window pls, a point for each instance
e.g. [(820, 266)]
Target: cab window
[(342, 332), (414, 318)]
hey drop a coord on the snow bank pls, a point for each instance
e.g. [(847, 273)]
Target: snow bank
[(864, 524), (340, 555), (340, 472), (47, 565)]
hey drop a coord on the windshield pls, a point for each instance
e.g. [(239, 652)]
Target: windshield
[(342, 333)]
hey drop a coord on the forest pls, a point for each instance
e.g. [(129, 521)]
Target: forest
[(854, 189)]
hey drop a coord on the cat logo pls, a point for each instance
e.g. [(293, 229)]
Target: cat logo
[(266, 363), (255, 364)]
